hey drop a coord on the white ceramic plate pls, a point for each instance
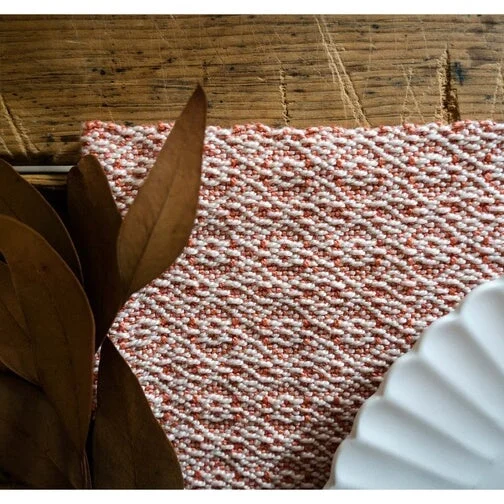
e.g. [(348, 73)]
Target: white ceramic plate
[(437, 420)]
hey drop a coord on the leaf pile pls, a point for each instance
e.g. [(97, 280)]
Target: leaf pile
[(60, 291)]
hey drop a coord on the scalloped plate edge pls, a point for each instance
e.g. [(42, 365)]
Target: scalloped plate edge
[(455, 315)]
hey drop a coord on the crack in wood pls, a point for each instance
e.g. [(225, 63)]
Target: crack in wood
[(7, 115), (340, 76), (204, 68), (410, 96), (5, 147), (283, 96), (448, 110), (499, 90), (21, 136)]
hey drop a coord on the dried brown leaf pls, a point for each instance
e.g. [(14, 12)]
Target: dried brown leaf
[(59, 323), (8, 296), (159, 222), (16, 351), (129, 447), (35, 449), (19, 199), (94, 225)]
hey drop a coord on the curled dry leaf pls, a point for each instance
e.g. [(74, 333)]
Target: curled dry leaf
[(59, 323), (94, 225), (129, 447), (16, 351), (35, 450), (19, 199), (159, 222)]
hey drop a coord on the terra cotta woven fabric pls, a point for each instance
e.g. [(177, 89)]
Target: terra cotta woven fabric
[(318, 257)]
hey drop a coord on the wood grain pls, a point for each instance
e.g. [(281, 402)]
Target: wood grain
[(58, 71)]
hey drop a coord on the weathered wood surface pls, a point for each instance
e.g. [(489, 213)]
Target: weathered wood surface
[(58, 71)]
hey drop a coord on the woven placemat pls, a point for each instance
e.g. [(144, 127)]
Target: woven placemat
[(318, 257)]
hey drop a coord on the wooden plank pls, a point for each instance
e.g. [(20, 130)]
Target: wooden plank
[(58, 71), (57, 180)]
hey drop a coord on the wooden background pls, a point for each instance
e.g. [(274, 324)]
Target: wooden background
[(58, 71)]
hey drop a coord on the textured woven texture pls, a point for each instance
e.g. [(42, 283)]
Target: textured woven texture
[(318, 257)]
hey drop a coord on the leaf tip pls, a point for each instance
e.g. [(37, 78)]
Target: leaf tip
[(198, 100)]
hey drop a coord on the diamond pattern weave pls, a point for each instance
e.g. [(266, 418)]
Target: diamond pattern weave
[(318, 257)]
